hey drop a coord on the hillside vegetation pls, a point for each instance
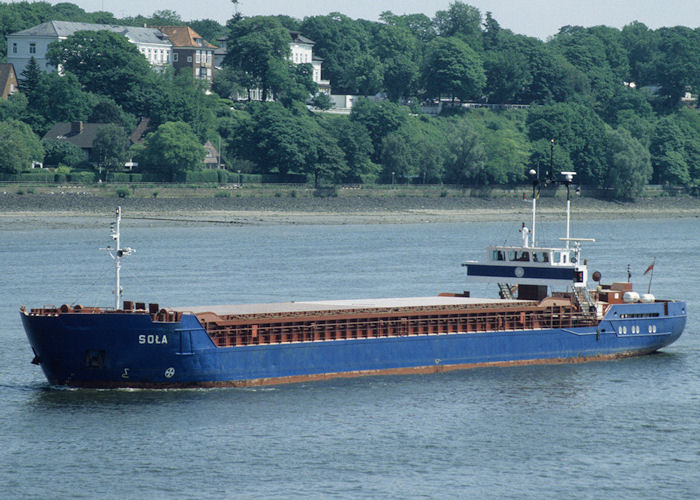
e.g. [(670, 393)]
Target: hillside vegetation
[(618, 103)]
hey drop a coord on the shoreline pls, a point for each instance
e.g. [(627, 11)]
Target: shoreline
[(339, 210)]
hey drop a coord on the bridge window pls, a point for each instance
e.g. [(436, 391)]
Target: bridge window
[(540, 257), (497, 255), (519, 256)]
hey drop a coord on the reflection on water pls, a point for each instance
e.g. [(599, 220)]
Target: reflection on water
[(608, 429)]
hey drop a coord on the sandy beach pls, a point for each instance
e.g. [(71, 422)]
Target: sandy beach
[(366, 209)]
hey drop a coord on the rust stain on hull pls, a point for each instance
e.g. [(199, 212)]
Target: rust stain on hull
[(419, 370)]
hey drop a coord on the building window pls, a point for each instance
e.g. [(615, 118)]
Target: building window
[(14, 47), (197, 57), (189, 59), (174, 56), (32, 47)]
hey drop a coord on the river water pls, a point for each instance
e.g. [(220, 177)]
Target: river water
[(618, 429)]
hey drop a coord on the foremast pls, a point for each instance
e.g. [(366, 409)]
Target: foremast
[(117, 254)]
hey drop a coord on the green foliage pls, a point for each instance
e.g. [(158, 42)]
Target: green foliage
[(62, 152), (577, 130), (170, 151), (181, 99), (667, 153), (202, 176), (355, 142), (380, 119), (19, 147), (104, 62), (453, 69), (29, 78), (345, 46), (466, 156), (629, 165), (322, 101), (106, 110), (677, 63), (82, 177), (123, 192), (14, 107), (110, 147), (259, 46), (275, 139), (576, 78), (58, 99), (462, 21)]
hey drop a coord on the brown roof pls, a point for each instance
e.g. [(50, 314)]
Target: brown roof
[(184, 36), (6, 69), (7, 76), (139, 132)]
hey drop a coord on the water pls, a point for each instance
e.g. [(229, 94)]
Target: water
[(621, 429)]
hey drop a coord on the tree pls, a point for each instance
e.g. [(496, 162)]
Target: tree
[(462, 21), (104, 62), (231, 83), (345, 46), (110, 148), (29, 78), (19, 147), (57, 99), (172, 150), (380, 119), (181, 99), (276, 139), (666, 148), (398, 159), (327, 160), (166, 17), (61, 152), (677, 63), (296, 84), (354, 140), (14, 107), (398, 49), (452, 68), (629, 165), (420, 25), (578, 130), (106, 110), (640, 44), (322, 101), (508, 77), (259, 46), (466, 156)]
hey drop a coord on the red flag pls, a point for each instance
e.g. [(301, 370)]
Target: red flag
[(650, 268)]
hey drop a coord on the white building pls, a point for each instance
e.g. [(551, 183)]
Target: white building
[(34, 41), (302, 52)]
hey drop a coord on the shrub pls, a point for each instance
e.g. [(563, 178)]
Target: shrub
[(123, 192)]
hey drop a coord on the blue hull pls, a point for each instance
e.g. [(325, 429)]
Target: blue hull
[(132, 350)]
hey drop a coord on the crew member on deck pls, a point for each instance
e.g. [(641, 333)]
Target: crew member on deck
[(526, 235)]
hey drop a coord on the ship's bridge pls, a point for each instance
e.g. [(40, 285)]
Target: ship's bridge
[(529, 266)]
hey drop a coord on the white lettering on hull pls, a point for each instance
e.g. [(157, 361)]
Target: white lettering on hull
[(153, 339)]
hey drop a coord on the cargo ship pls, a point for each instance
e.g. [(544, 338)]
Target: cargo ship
[(144, 345)]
